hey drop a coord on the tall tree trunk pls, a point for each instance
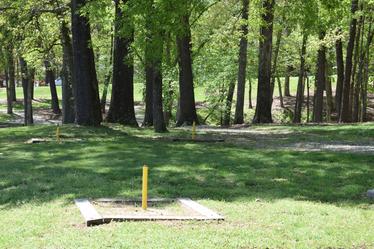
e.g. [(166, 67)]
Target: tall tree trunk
[(227, 113), (364, 92), (289, 70), (68, 106), (356, 58), (358, 79), (8, 93), (12, 73), (280, 92), (239, 110), (345, 115), (86, 86), (122, 108), (320, 82), (307, 99), (187, 109), (158, 113), (340, 75), (149, 72), (108, 77), (50, 79), (300, 85), (250, 93), (32, 81), (263, 107), (26, 85), (275, 61)]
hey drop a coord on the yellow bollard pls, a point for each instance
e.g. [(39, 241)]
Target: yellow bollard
[(145, 188), (193, 130), (58, 134)]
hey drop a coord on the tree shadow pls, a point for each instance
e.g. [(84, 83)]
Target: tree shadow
[(107, 163)]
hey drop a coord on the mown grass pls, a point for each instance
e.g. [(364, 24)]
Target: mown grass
[(271, 199)]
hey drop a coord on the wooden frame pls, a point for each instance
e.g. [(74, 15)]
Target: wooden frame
[(92, 217)]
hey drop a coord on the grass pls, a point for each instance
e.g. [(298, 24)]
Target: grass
[(270, 198)]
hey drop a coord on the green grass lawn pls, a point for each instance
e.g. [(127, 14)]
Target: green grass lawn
[(270, 198)]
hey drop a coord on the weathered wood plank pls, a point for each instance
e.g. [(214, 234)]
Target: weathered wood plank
[(200, 209), (91, 216)]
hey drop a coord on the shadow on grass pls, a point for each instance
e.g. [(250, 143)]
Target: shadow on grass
[(107, 163)]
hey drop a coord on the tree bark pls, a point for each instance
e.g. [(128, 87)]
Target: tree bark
[(122, 108), (8, 93), (187, 109), (289, 70), (345, 114), (26, 85), (320, 82), (108, 77), (340, 75), (86, 86), (307, 99), (300, 85), (275, 61), (280, 92), (370, 36), (250, 106), (12, 73), (149, 72), (230, 95), (263, 107), (68, 106), (50, 79), (358, 79), (239, 110)]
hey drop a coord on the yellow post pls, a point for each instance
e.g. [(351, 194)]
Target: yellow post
[(145, 188), (58, 134), (193, 130)]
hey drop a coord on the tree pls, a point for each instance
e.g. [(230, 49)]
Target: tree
[(320, 81), (264, 102), (300, 84), (86, 86), (239, 110), (187, 110), (345, 114), (121, 108), (26, 85)]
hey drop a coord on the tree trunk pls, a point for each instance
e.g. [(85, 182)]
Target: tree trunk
[(32, 81), (307, 99), (345, 115), (149, 72), (122, 108), (364, 93), (300, 85), (239, 110), (230, 95), (12, 74), (86, 86), (8, 93), (275, 62), (359, 60), (187, 109), (108, 77), (50, 79), (158, 113), (356, 57), (340, 75), (320, 82), (250, 93), (263, 107), (287, 81), (68, 110), (26, 85), (280, 92)]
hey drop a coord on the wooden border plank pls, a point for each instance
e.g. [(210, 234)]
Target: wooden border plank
[(91, 216), (200, 209)]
